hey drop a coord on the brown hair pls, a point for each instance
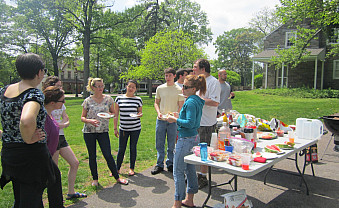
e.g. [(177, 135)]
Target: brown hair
[(170, 70), (53, 94), (50, 81), (199, 82)]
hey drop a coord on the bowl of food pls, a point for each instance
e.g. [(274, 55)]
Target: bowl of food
[(219, 155)]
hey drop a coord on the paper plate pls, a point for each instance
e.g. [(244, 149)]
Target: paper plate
[(105, 115), (268, 155), (267, 135), (134, 115)]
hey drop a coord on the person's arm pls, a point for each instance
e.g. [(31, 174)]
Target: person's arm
[(28, 128), (65, 120), (139, 112), (180, 104), (117, 110), (157, 107), (211, 102), (93, 122)]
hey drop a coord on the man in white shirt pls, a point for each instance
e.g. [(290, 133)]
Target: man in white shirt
[(226, 93), (168, 99), (181, 75), (209, 112)]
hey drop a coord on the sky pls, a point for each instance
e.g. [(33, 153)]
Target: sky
[(223, 15)]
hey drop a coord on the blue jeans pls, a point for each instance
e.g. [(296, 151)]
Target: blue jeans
[(162, 129), (183, 148), (105, 146), (123, 138)]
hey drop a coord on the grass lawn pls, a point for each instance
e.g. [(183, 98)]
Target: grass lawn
[(286, 109)]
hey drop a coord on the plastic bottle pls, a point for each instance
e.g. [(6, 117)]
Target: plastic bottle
[(203, 151), (224, 134), (251, 125)]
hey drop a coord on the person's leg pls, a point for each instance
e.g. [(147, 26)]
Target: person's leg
[(179, 170), (90, 140), (54, 190), (56, 157), (192, 180), (171, 137), (69, 156), (27, 195), (160, 136), (105, 146), (123, 138), (134, 136)]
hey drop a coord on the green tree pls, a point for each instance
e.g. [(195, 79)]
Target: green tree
[(234, 50), (165, 49), (188, 17), (323, 16), (44, 21)]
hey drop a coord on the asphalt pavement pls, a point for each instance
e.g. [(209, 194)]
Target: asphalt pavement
[(281, 189)]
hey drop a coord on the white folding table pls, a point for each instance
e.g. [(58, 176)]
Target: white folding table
[(255, 167)]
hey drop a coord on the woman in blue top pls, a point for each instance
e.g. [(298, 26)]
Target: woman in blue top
[(188, 122)]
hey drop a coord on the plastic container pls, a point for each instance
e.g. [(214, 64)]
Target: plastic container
[(309, 128), (224, 134), (203, 151)]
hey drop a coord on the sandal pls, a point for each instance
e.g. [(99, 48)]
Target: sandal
[(131, 173), (122, 181), (75, 196)]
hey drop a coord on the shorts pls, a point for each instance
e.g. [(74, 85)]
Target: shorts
[(62, 142), (205, 133)]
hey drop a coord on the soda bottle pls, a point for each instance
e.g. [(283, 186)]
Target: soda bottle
[(224, 134)]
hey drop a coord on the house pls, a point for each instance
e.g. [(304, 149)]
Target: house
[(71, 78), (316, 71)]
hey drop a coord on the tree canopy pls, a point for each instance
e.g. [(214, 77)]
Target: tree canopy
[(166, 49)]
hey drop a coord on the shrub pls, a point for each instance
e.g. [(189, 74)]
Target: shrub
[(258, 80), (300, 92)]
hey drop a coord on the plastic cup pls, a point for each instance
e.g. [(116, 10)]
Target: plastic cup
[(245, 161), (291, 135)]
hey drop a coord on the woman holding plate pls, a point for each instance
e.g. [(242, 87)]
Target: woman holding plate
[(130, 108), (96, 128)]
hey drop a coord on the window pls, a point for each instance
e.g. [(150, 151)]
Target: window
[(288, 39), (336, 69), (69, 75), (334, 36)]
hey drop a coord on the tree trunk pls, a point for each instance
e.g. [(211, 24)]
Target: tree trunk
[(86, 44), (149, 87), (55, 65)]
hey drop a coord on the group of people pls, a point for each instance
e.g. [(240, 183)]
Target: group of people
[(187, 115), (33, 123)]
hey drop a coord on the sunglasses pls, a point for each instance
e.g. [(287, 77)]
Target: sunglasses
[(60, 101), (45, 70), (185, 87)]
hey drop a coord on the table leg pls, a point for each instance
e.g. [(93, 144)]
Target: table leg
[(209, 186), (300, 173)]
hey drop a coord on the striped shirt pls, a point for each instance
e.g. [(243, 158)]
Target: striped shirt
[(127, 106)]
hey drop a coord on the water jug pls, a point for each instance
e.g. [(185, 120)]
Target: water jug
[(309, 128), (203, 151)]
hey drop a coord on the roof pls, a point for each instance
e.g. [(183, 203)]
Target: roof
[(266, 55)]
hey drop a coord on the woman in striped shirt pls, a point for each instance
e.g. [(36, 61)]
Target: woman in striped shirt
[(129, 107)]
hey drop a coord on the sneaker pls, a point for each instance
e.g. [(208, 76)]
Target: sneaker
[(336, 148), (202, 181), (170, 168), (157, 170)]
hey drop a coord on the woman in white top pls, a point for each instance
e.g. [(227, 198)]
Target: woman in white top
[(96, 128), (129, 107)]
